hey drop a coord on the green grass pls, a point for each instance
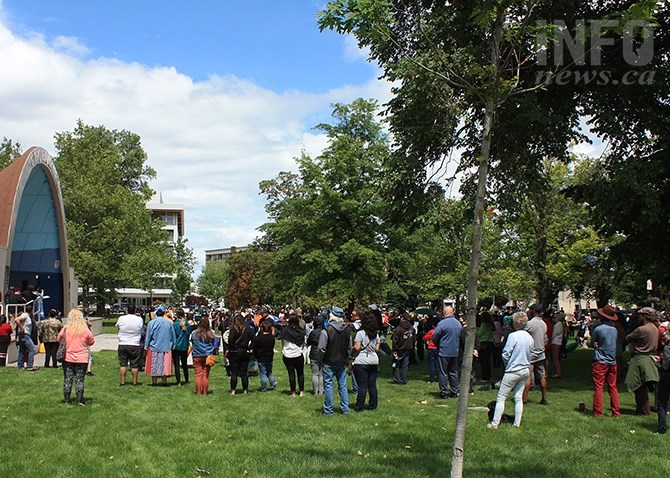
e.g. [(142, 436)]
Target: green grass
[(169, 432)]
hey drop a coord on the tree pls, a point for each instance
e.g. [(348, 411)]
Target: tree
[(112, 239), (459, 64), (250, 280), (185, 261), (325, 226), (9, 152), (213, 280)]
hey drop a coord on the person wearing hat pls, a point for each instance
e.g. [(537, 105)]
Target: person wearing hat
[(642, 372), (605, 370), (334, 352)]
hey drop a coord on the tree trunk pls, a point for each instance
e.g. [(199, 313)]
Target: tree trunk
[(473, 277)]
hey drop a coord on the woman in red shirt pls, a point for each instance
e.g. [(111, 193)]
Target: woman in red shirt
[(78, 338), (5, 339)]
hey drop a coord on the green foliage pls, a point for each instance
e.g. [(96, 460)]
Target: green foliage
[(213, 280), (326, 225), (9, 152), (112, 238)]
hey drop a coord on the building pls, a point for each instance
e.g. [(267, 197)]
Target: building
[(173, 217), (222, 254)]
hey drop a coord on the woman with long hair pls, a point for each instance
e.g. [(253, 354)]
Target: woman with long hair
[(240, 341), (264, 353), (203, 346), (78, 339), (182, 332), (293, 343), (366, 361)]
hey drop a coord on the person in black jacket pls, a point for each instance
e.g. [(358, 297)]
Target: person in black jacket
[(239, 343), (404, 337), (264, 352), (334, 352)]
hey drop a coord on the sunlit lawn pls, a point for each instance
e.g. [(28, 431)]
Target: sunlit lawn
[(166, 432)]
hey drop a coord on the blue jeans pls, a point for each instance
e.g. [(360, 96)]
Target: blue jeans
[(265, 371), (366, 376), (330, 373), (400, 371), (26, 343), (447, 368), (432, 365)]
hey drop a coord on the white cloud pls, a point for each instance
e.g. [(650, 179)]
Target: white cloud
[(70, 45), (211, 141)]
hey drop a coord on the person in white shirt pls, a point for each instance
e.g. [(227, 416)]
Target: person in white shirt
[(130, 332)]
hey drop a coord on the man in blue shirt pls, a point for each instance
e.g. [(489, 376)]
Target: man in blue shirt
[(603, 341), (446, 338)]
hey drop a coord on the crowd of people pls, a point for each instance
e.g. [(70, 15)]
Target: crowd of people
[(514, 351)]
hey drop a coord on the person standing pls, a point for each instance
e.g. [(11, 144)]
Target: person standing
[(158, 344), (516, 355), (78, 339), (403, 339), (48, 332), (5, 339), (642, 372), (486, 346), (182, 332), (557, 333), (366, 362), (317, 367), (446, 338), (264, 350), (334, 352), (24, 324), (604, 343), (293, 343), (432, 350), (129, 351), (240, 341), (202, 340), (538, 330)]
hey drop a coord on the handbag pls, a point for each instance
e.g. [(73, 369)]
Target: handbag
[(60, 353)]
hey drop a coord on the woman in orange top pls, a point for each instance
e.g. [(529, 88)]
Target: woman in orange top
[(78, 338)]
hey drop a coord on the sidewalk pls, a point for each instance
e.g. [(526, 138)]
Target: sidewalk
[(105, 342)]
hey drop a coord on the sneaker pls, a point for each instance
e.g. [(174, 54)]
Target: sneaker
[(81, 404), (543, 402), (491, 426)]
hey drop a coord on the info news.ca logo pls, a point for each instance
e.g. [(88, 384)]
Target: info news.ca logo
[(576, 56)]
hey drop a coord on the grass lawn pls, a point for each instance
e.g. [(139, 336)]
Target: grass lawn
[(169, 432)]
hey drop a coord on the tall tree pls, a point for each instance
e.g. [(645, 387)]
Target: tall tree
[(184, 261), (459, 64), (112, 239), (213, 280), (325, 222)]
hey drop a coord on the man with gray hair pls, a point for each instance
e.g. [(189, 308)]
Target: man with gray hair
[(334, 352), (538, 330), (516, 354)]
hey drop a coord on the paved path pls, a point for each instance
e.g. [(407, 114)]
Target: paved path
[(105, 342)]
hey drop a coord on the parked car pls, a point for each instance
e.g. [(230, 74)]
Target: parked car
[(119, 307)]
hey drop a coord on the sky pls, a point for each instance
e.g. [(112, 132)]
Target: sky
[(223, 93)]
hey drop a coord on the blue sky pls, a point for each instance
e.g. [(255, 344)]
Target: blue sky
[(274, 43), (223, 93)]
